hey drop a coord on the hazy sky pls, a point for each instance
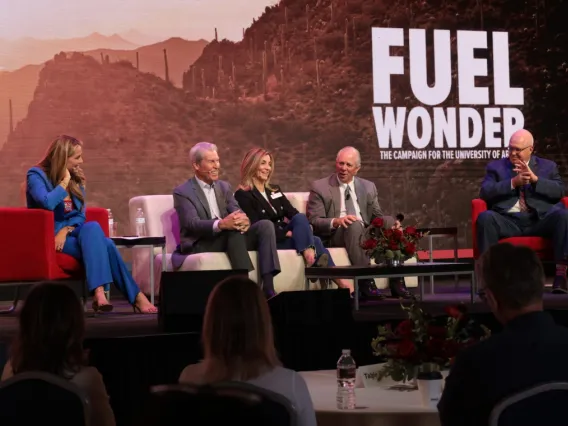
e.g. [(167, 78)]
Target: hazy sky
[(191, 19)]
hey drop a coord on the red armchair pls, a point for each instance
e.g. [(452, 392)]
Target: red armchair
[(28, 249), (538, 244)]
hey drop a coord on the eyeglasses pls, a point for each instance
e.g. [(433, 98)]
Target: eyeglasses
[(519, 150)]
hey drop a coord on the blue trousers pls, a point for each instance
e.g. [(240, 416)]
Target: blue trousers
[(303, 238), (102, 260)]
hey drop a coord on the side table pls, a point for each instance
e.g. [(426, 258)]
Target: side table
[(450, 231), (145, 242)]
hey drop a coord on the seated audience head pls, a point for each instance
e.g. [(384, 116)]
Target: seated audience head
[(521, 146), (50, 335), (65, 153), (512, 280), (204, 159), (347, 163), (256, 168), (237, 333)]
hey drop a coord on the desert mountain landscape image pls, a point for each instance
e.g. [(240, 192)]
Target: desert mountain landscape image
[(181, 54), (31, 51), (298, 83), (19, 85)]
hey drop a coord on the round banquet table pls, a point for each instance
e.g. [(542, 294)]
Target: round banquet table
[(376, 406)]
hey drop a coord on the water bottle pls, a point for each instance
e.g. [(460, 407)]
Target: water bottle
[(110, 224), (140, 223), (346, 372)]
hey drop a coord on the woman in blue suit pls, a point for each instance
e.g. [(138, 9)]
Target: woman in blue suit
[(57, 184)]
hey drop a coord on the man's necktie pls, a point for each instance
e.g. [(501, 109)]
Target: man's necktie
[(349, 204), (522, 202)]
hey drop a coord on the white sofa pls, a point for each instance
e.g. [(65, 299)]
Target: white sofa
[(161, 219)]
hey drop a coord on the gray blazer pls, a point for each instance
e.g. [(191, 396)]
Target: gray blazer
[(324, 203), (194, 215)]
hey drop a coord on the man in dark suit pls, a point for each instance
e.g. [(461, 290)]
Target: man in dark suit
[(341, 206), (530, 350), (523, 195), (211, 221)]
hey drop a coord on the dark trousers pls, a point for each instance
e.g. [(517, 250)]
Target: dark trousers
[(260, 237), (102, 260), (303, 238), (493, 226), (350, 238)]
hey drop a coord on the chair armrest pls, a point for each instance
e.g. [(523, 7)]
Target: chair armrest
[(564, 201), (98, 214), (477, 207), (29, 245)]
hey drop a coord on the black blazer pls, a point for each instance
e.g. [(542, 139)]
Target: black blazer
[(530, 350), (255, 206)]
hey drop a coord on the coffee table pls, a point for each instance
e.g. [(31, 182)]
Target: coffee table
[(421, 270), (145, 242)]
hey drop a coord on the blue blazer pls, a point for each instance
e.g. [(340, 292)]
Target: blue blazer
[(542, 196), (41, 194)]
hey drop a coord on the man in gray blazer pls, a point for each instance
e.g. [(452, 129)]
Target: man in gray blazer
[(211, 221), (341, 206)]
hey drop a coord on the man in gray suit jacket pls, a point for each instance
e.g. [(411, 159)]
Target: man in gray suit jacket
[(341, 206), (211, 221)]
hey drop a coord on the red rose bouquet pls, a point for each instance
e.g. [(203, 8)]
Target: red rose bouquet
[(387, 245), (424, 341)]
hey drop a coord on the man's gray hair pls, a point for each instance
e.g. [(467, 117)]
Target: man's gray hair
[(197, 151), (351, 149)]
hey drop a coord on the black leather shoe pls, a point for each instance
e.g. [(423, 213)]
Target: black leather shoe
[(398, 289), (559, 285), (369, 290)]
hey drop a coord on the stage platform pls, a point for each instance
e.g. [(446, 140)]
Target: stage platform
[(123, 322)]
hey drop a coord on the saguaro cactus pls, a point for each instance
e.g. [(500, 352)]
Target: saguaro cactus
[(282, 36), (11, 116), (166, 68), (274, 55), (307, 18), (234, 73), (137, 60), (346, 37), (220, 70), (216, 35), (264, 72)]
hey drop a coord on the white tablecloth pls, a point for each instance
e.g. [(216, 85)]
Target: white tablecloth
[(375, 405)]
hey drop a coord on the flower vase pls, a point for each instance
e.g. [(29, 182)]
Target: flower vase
[(410, 383), (394, 262)]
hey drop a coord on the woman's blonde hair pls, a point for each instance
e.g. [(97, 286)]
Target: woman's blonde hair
[(54, 164), (250, 165), (237, 333)]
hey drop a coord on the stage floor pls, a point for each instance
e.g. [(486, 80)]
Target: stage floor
[(123, 322)]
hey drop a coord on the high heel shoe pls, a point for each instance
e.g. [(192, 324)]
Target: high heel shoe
[(107, 307), (137, 310)]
